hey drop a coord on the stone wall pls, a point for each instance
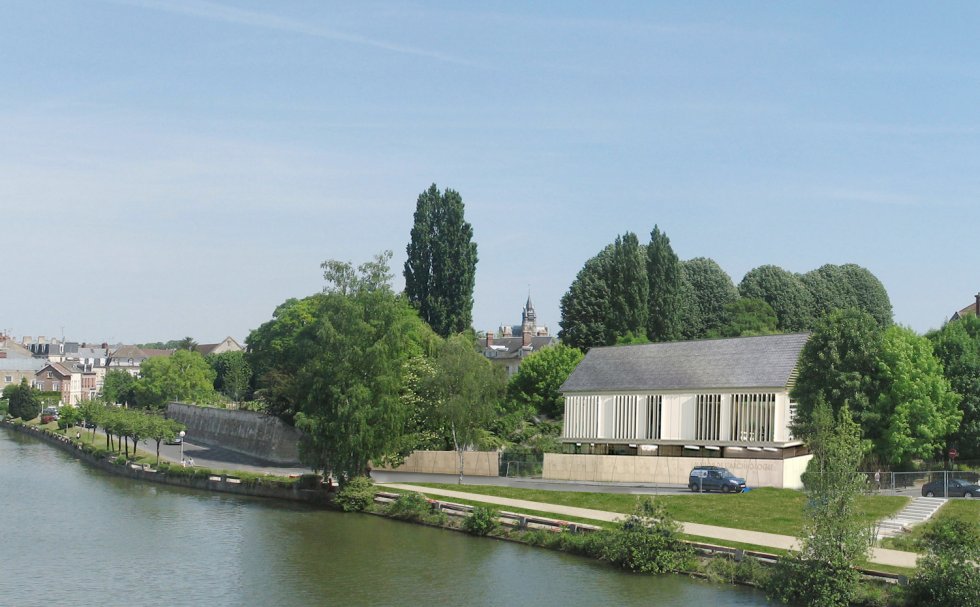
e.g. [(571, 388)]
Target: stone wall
[(475, 463), (782, 473), (248, 432)]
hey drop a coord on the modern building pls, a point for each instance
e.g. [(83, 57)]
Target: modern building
[(511, 344), (651, 412)]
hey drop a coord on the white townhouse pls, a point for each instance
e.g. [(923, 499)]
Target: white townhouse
[(675, 405)]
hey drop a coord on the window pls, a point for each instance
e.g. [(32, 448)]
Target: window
[(753, 417), (9, 379), (708, 421), (655, 404)]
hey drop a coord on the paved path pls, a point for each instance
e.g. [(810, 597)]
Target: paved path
[(881, 556)]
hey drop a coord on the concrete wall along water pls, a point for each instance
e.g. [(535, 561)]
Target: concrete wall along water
[(782, 473), (248, 432)]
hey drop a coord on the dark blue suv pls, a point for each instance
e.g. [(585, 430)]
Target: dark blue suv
[(715, 478)]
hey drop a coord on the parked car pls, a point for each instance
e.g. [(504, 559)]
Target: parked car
[(174, 441), (955, 487), (714, 478)]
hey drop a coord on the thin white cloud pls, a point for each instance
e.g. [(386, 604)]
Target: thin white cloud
[(226, 14)]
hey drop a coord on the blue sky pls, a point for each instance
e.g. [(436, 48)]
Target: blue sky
[(172, 168)]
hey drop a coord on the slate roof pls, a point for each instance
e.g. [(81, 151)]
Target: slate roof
[(510, 347), (739, 363), (22, 364)]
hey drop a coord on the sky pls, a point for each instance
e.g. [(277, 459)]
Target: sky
[(172, 168)]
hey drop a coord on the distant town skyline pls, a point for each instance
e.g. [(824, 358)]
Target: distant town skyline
[(171, 168)]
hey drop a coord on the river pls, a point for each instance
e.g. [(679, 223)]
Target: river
[(73, 535)]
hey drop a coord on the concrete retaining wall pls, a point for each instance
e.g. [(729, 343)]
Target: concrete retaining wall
[(782, 473), (475, 463), (248, 432)]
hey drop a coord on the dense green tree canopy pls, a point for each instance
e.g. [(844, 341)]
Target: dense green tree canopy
[(586, 308), (838, 366), (746, 317), (785, 292), (537, 381), (23, 400), (440, 271), (835, 287), (462, 393), (708, 289), (957, 346), (232, 374), (183, 376), (277, 349), (665, 300), (917, 407), (626, 278), (119, 387), (349, 389)]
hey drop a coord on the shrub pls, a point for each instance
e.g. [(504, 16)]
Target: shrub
[(947, 575), (647, 541), (798, 580), (409, 506), (356, 495), (481, 521)]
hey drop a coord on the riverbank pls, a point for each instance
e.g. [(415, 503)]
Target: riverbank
[(300, 489)]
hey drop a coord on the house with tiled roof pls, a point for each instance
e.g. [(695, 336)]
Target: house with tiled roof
[(670, 405), (229, 344), (129, 358), (65, 378), (970, 310), (511, 344)]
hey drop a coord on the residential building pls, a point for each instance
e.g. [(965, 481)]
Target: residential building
[(970, 310), (227, 345), (512, 344), (63, 378), (129, 358), (13, 370)]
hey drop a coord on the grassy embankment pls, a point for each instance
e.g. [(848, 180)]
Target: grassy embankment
[(966, 510)]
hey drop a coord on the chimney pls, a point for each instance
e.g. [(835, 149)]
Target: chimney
[(490, 334), (526, 337), (3, 355), (26, 340), (40, 340), (976, 306)]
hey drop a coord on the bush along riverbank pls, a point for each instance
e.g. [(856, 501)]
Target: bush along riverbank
[(306, 488), (646, 541)]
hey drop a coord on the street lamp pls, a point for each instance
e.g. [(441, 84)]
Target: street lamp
[(182, 435)]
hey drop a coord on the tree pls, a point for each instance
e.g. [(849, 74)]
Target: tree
[(537, 381), (838, 365), (349, 389), (160, 429), (745, 317), (463, 393), (626, 278), (232, 374), (834, 537), (848, 286), (665, 301), (707, 289), (917, 406), (440, 271), (957, 346), (24, 401), (785, 292), (183, 376), (277, 349), (118, 387), (585, 307), (948, 574), (68, 417)]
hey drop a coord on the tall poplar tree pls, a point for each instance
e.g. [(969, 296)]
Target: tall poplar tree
[(585, 307), (627, 281), (440, 271), (665, 299)]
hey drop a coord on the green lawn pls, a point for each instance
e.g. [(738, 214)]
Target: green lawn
[(765, 509), (963, 509)]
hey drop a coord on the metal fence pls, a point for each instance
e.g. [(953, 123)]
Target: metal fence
[(940, 483)]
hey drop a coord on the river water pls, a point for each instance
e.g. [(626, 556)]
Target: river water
[(70, 534)]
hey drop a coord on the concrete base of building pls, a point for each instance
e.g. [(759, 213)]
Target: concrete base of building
[(475, 463), (780, 473)]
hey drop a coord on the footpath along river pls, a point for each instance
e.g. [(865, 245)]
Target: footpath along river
[(73, 535)]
